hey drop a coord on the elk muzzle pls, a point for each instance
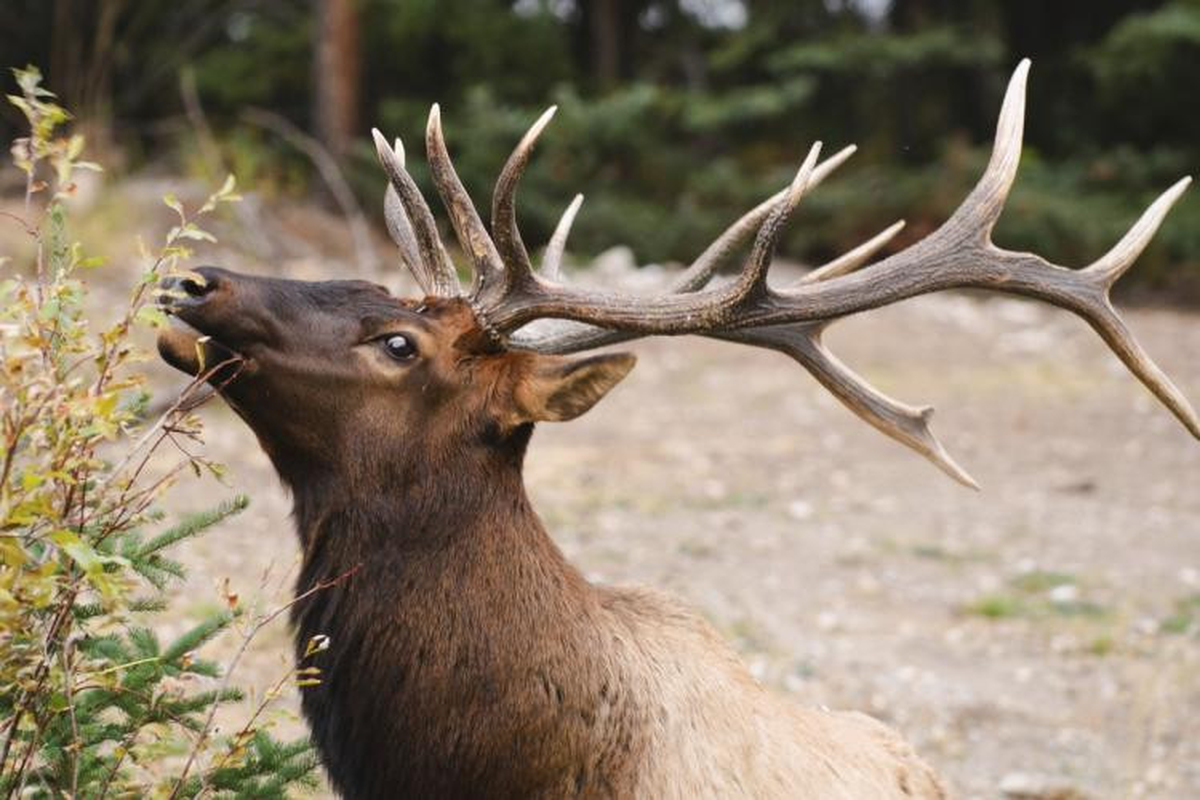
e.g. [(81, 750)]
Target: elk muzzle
[(218, 317)]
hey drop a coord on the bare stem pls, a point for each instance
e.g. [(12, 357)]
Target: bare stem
[(258, 625)]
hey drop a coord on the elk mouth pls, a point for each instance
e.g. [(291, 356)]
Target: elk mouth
[(189, 350), (183, 343)]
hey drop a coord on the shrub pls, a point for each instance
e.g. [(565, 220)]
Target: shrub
[(92, 703)]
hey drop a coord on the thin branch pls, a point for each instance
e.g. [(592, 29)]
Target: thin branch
[(258, 625), (181, 404)]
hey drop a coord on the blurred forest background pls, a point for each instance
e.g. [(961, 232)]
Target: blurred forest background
[(675, 115)]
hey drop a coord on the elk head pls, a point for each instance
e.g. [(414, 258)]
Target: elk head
[(342, 364), (342, 373)]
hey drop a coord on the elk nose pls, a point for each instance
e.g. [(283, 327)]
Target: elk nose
[(183, 290), (195, 288)]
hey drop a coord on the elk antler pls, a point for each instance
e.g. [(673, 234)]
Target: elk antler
[(959, 254)]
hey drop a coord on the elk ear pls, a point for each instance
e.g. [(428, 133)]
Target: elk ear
[(557, 389)]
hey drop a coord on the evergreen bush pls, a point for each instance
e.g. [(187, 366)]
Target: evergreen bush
[(93, 703)]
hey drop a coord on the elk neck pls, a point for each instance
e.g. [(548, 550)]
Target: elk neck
[(367, 501), (462, 617), (411, 506)]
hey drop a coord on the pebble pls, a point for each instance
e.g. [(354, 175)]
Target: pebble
[(1030, 786)]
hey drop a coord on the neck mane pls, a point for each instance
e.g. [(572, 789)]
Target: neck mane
[(458, 631)]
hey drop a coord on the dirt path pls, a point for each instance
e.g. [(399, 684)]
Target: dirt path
[(1031, 635)]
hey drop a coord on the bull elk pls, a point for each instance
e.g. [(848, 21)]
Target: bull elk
[(468, 657)]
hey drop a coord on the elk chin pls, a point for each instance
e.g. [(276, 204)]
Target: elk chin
[(187, 350)]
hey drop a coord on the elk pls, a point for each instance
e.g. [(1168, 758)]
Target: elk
[(468, 658)]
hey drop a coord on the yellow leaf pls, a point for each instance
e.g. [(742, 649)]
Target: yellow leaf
[(172, 202), (107, 403), (12, 554)]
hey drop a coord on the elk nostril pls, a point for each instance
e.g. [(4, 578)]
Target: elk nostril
[(195, 288)]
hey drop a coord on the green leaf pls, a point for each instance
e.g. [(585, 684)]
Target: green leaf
[(79, 551), (198, 635), (152, 316), (194, 524)]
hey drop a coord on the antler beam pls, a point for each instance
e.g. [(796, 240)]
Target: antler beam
[(960, 254)]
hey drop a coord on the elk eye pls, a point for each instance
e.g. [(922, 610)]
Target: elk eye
[(399, 347)]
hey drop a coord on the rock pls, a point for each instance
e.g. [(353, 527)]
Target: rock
[(1028, 786), (800, 509), (615, 262)]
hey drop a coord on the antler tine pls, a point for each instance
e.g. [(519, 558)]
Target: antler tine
[(401, 232), (907, 424), (553, 256), (978, 214), (1100, 313), (725, 246), (753, 279), (468, 227), (516, 263), (436, 275), (853, 259), (1113, 264)]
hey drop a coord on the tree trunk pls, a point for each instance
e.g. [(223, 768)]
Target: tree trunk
[(605, 24), (336, 73)]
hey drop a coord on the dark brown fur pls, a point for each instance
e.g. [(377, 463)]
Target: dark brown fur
[(455, 661)]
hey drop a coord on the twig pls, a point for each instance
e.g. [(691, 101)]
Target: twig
[(269, 697), (22, 770), (76, 743), (259, 624), (29, 229), (182, 404)]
